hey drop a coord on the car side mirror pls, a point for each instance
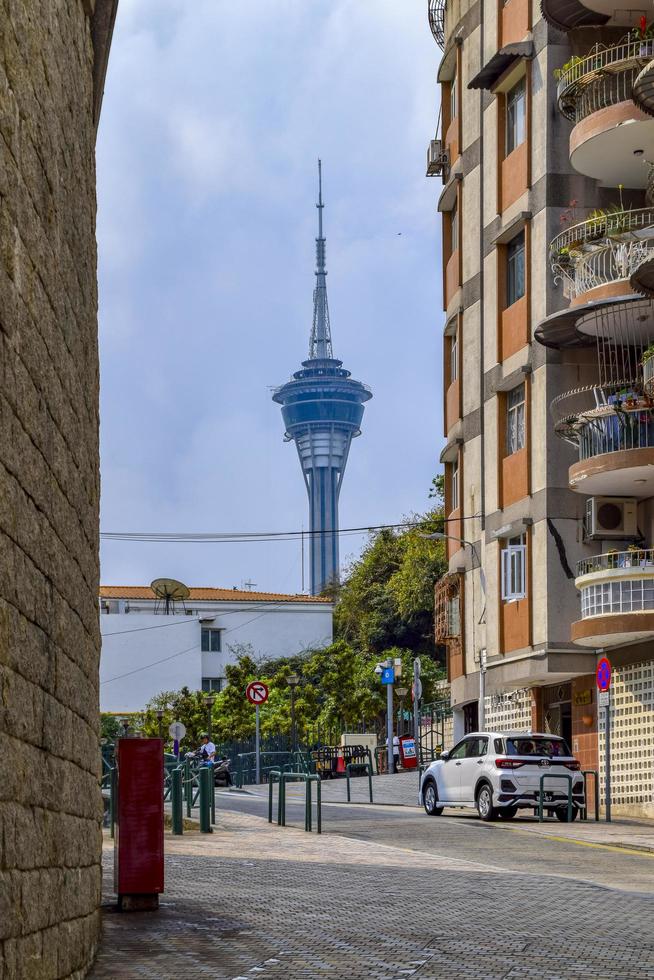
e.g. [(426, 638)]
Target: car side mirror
[(444, 756)]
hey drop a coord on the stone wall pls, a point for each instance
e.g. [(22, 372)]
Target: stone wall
[(50, 806)]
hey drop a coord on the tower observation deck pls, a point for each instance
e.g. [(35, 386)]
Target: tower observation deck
[(322, 409)]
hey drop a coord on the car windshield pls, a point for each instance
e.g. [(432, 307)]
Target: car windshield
[(549, 747)]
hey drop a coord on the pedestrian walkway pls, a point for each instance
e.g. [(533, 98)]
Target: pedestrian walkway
[(397, 789), (255, 900)]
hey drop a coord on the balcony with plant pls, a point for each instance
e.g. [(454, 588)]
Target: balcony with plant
[(596, 93), (603, 250), (617, 597)]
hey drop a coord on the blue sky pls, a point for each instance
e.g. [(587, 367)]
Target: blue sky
[(213, 118)]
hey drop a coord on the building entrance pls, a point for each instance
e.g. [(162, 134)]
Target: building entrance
[(557, 711)]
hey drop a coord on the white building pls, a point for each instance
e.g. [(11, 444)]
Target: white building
[(145, 651)]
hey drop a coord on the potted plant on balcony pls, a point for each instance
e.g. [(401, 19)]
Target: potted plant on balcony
[(645, 34), (647, 361), (612, 558), (558, 73)]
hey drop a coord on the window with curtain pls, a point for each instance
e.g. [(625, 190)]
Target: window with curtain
[(455, 484), (454, 228), (515, 269), (454, 355), (515, 420)]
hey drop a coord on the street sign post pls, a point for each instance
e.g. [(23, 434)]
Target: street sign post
[(177, 731), (416, 694), (603, 676), (257, 694)]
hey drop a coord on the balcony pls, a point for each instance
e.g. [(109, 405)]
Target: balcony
[(643, 94), (617, 598), (596, 258), (437, 21), (612, 137), (613, 431)]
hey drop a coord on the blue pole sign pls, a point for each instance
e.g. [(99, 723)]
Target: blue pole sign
[(388, 675)]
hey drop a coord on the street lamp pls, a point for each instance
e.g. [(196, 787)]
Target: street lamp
[(209, 701), (441, 536), (293, 680), (160, 713)]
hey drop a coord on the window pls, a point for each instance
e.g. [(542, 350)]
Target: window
[(213, 685), (454, 229), (514, 569), (453, 99), (476, 747), (210, 641), (515, 269), (631, 595), (454, 355), (455, 484), (515, 420), (453, 617), (459, 751), (515, 116)]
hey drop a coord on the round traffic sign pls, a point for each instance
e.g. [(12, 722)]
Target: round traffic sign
[(257, 692), (177, 731), (603, 674)]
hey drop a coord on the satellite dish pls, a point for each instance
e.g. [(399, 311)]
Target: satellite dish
[(169, 591)]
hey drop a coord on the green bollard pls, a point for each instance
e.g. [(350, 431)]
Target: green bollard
[(319, 803), (188, 787), (176, 792), (206, 775), (307, 806)]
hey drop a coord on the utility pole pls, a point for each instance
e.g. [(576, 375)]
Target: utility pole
[(417, 695), (389, 722), (481, 713)]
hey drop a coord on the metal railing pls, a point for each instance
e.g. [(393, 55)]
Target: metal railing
[(633, 558), (615, 431), (603, 78), (604, 248), (437, 21)]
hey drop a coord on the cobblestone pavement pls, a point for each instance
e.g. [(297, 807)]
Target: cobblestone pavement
[(254, 900)]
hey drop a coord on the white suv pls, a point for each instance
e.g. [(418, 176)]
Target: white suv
[(499, 773)]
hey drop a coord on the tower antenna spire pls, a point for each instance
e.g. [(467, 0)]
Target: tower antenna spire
[(320, 344)]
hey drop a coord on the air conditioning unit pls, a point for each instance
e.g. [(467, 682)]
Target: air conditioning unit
[(437, 158), (611, 517)]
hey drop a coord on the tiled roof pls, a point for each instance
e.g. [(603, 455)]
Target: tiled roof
[(203, 595)]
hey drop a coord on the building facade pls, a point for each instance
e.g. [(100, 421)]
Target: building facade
[(545, 153), (53, 58), (146, 651), (322, 409)]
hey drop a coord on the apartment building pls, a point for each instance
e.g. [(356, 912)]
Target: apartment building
[(548, 265)]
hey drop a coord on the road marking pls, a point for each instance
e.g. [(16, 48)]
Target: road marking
[(633, 850)]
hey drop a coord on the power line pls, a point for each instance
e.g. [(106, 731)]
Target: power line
[(243, 537), (155, 663)]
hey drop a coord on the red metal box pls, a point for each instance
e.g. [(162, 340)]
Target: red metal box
[(139, 852)]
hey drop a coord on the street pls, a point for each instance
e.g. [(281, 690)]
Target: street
[(386, 892)]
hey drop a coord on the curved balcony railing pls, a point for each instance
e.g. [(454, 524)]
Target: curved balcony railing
[(634, 558), (643, 94), (437, 21), (603, 78), (616, 430), (573, 411), (603, 249)]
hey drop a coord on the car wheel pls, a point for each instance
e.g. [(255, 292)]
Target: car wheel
[(562, 814), (485, 807), (507, 812), (430, 800)]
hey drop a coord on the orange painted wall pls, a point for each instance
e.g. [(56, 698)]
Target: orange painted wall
[(515, 625), (514, 328), (515, 21), (455, 661), (514, 175), (452, 282), (584, 737), (452, 140), (515, 477), (452, 405)]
